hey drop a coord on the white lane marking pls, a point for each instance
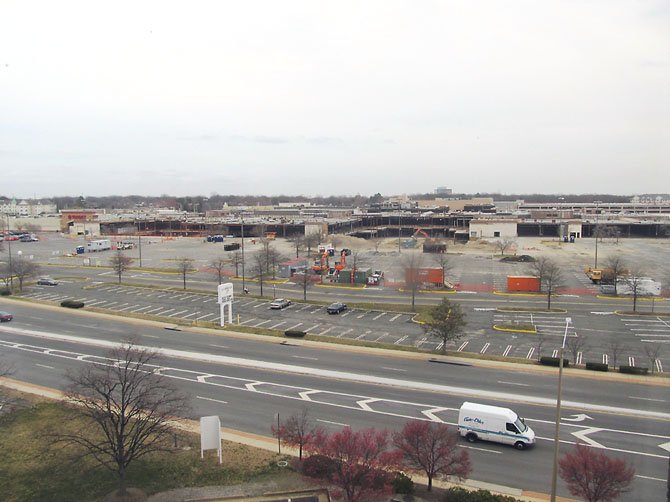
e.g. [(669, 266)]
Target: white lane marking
[(514, 383), (165, 311), (141, 309), (579, 417), (381, 336), (44, 366), (430, 414), (649, 477), (362, 335), (306, 357), (647, 399), (278, 324), (332, 423), (506, 351), (128, 308), (293, 327), (153, 310), (394, 317), (392, 369), (365, 402), (400, 340), (310, 329), (530, 353), (219, 346), (582, 435), (210, 399), (380, 315), (177, 313), (261, 323), (463, 345), (484, 309), (151, 336), (345, 332), (248, 321), (326, 330), (479, 449), (485, 348)]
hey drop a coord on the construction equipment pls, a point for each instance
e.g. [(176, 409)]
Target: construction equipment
[(340, 265), (270, 235), (321, 264), (598, 275)]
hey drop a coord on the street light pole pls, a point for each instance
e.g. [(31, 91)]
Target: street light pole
[(557, 428), (596, 232), (242, 231), (399, 229), (9, 251)]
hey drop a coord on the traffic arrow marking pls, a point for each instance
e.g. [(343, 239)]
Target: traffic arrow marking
[(577, 418), (665, 446), (582, 435)]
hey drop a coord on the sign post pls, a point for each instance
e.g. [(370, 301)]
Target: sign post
[(225, 293)]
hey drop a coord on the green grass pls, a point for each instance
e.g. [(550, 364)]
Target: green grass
[(33, 470)]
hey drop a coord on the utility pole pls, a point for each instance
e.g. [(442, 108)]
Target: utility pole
[(242, 231), (140, 247), (596, 232), (557, 429), (9, 250), (399, 227)]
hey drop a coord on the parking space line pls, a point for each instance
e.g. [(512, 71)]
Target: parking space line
[(310, 329), (380, 315), (631, 361), (278, 324), (153, 310), (208, 300), (128, 308), (362, 335), (178, 313), (326, 330), (204, 316), (463, 345), (345, 332), (485, 348), (141, 309), (248, 320), (262, 322), (362, 315), (259, 305), (347, 313), (164, 311), (91, 304), (421, 342), (579, 358), (400, 340), (293, 327), (190, 315), (394, 317), (381, 336), (506, 351), (530, 353)]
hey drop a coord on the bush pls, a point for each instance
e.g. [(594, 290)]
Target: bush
[(463, 495), (553, 361), (596, 366), (294, 333), (5, 291), (633, 370), (403, 484), (71, 304), (318, 466)]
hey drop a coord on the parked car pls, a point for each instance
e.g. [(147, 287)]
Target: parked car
[(336, 308), (29, 238), (280, 303), (5, 316), (47, 281)]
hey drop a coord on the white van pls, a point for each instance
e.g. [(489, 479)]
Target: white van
[(492, 423)]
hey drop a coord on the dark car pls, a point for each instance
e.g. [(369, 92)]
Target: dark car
[(47, 281), (5, 316), (280, 303), (336, 308)]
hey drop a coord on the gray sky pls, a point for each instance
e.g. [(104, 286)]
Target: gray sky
[(346, 97)]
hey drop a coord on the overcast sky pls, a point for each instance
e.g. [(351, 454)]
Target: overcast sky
[(334, 98)]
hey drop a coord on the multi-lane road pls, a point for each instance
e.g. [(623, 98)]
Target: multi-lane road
[(246, 381)]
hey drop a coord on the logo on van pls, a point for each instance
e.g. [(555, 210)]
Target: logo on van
[(475, 420)]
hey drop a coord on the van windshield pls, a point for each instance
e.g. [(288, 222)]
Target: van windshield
[(520, 425)]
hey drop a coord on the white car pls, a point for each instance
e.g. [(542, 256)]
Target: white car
[(280, 303)]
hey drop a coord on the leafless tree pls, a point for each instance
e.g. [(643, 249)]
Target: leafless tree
[(550, 275), (443, 261), (23, 269), (298, 242), (274, 257), (305, 282), (259, 267), (539, 343), (617, 268), (131, 405), (237, 260), (653, 352), (411, 264), (312, 240), (503, 245), (219, 265), (6, 370), (120, 263), (376, 243), (634, 282), (184, 267), (575, 345), (298, 431), (616, 347)]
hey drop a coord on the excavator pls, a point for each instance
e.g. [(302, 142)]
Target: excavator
[(322, 264), (342, 264)]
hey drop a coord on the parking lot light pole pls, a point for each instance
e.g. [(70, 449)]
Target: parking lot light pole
[(596, 232), (242, 232), (557, 428)]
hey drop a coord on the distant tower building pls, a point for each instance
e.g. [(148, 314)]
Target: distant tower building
[(443, 191)]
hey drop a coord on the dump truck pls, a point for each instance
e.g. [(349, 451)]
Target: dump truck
[(602, 275)]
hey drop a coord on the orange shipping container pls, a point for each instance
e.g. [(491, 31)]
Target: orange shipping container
[(433, 276), (526, 283)]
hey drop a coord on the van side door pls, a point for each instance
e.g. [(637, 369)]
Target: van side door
[(512, 432)]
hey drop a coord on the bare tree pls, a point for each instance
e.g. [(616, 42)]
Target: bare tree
[(273, 257), (376, 243), (653, 352), (5, 370), (131, 405), (575, 345), (219, 265), (411, 264), (443, 261), (503, 245), (23, 269), (184, 267), (539, 343), (237, 260), (446, 323), (306, 283), (550, 275), (120, 263), (259, 267), (617, 268), (634, 282), (298, 242), (312, 240), (298, 431), (616, 347)]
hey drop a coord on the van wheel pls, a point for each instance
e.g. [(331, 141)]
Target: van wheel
[(471, 437), (520, 445)]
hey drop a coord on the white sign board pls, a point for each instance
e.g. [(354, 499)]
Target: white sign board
[(210, 435), (225, 294)]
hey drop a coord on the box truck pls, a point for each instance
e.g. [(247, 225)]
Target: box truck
[(98, 245), (492, 423)]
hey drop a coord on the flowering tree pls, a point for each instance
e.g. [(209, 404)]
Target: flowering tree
[(433, 449), (298, 431), (361, 462), (594, 476)]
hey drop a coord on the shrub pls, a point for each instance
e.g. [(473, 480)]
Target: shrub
[(403, 484), (463, 495), (5, 291), (71, 304), (294, 333), (596, 366), (318, 466), (554, 361), (633, 370)]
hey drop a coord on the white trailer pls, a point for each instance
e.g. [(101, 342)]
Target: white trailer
[(492, 423), (98, 245)]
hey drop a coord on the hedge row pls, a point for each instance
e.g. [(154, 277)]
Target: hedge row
[(462, 495), (596, 366), (71, 304), (554, 361), (633, 370), (5, 291), (294, 333)]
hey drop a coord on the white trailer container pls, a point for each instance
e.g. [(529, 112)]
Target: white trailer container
[(492, 423), (98, 245)]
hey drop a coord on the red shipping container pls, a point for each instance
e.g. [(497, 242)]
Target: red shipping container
[(425, 276), (525, 283)]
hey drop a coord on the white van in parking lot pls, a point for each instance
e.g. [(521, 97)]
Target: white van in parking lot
[(492, 423)]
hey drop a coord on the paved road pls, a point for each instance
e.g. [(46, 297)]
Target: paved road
[(640, 340), (235, 378)]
